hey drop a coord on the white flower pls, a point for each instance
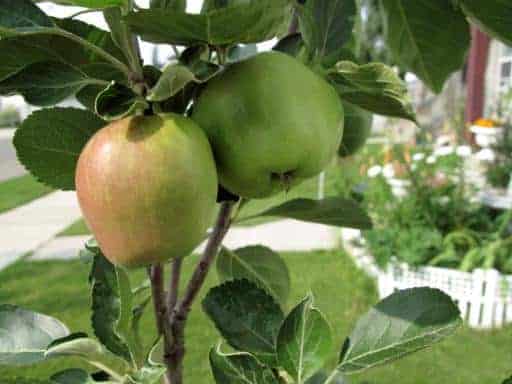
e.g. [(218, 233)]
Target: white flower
[(414, 167), (444, 151), (431, 159), (374, 171), (464, 150), (418, 156), (443, 140), (486, 154), (388, 171)]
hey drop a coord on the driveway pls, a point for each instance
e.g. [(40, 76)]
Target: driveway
[(9, 165)]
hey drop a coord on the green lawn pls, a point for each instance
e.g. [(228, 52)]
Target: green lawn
[(78, 228), (19, 191), (307, 189), (342, 292)]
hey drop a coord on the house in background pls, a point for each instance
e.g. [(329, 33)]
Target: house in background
[(498, 79), (469, 94)]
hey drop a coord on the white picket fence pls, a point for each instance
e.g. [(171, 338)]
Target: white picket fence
[(484, 297)]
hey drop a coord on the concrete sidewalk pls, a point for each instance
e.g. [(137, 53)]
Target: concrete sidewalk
[(7, 133), (27, 228), (10, 167), (283, 235)]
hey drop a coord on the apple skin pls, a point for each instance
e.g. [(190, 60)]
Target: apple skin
[(358, 126), (272, 123), (147, 187)]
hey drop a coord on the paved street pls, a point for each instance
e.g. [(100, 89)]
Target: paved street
[(9, 165)]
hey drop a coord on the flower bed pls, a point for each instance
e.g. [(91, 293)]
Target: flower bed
[(484, 297)]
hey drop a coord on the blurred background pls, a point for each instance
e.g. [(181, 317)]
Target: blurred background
[(440, 195)]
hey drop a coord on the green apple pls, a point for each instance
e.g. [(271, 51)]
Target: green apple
[(271, 121), (358, 126), (147, 187)]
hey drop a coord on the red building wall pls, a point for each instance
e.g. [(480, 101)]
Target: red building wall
[(475, 76)]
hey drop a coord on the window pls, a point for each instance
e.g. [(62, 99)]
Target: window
[(506, 68)]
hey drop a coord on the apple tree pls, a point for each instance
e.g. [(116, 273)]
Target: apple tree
[(155, 154)]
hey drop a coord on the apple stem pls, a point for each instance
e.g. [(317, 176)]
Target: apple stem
[(176, 319)]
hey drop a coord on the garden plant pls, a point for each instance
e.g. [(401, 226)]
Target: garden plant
[(155, 153), (437, 222)]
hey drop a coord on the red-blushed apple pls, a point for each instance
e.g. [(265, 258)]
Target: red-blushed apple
[(147, 187)]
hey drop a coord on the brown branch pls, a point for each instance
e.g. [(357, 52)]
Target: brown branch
[(174, 285), (175, 344), (156, 276), (294, 24), (209, 254)]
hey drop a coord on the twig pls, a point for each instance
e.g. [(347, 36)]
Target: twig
[(96, 49), (172, 295), (175, 344), (212, 247), (294, 24), (156, 276)]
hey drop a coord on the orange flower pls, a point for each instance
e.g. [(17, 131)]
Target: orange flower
[(487, 123)]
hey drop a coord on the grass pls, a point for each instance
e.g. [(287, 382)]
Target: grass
[(78, 228), (341, 291), (19, 191), (308, 189)]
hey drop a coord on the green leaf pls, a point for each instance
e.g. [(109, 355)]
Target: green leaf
[(17, 54), (402, 323), (77, 54), (211, 5), (22, 51), (326, 25), (507, 381), (148, 374), (175, 5), (112, 307), (138, 312), (87, 95), (492, 16), (49, 142), (90, 3), (428, 37), (256, 21), (22, 17), (75, 376), (246, 316), (374, 87), (47, 83), (176, 76), (122, 35), (304, 341), (239, 368), (77, 344), (258, 264), (321, 377), (24, 335), (335, 211), (153, 368), (117, 101)]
